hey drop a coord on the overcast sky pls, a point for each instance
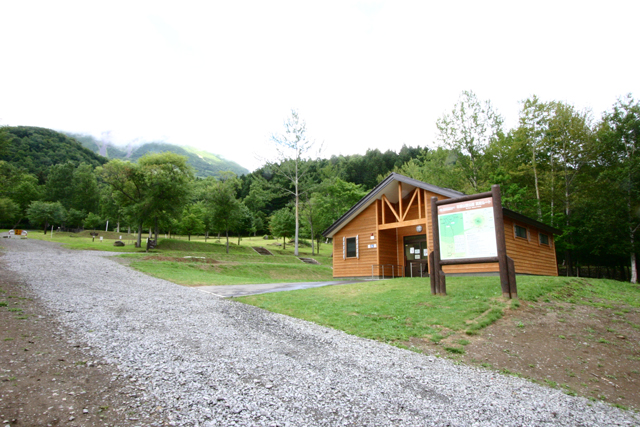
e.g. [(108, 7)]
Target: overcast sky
[(223, 75)]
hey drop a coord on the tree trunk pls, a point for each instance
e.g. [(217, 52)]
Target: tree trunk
[(295, 252), (535, 177), (312, 240), (140, 235), (567, 257), (46, 225), (206, 235), (156, 229), (227, 234), (189, 237), (284, 243), (118, 227), (553, 183), (238, 239)]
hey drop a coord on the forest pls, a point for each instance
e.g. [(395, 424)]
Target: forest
[(559, 165)]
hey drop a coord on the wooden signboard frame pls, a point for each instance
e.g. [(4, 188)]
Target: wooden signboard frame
[(507, 269)]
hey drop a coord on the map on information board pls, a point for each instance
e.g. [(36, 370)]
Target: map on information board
[(467, 230)]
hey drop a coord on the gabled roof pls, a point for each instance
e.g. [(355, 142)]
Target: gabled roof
[(383, 188)]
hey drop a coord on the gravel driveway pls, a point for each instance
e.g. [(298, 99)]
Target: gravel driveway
[(207, 361)]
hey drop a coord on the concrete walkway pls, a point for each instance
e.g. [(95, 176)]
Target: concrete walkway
[(242, 290)]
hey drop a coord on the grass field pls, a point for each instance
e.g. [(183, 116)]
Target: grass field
[(83, 241), (399, 309), (209, 263)]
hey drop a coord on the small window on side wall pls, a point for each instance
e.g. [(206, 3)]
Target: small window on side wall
[(351, 247), (521, 232), (544, 239)]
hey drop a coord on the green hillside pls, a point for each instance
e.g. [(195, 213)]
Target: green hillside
[(204, 163), (37, 149)]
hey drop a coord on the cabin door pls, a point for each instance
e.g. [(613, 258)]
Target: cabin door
[(416, 256)]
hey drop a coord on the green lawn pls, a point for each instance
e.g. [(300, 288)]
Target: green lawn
[(242, 265), (83, 241), (396, 310), (242, 272)]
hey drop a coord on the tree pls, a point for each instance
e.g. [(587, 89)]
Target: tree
[(75, 218), (192, 221), (283, 224), (292, 148), (438, 167), (154, 188), (333, 198), (9, 210), (467, 131), (245, 222), (4, 140), (85, 193), (59, 185), (223, 204), (167, 178), (570, 137), (619, 153), (22, 188), (46, 213), (534, 127), (129, 190), (93, 221)]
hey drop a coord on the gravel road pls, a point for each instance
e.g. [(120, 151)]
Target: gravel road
[(206, 361)]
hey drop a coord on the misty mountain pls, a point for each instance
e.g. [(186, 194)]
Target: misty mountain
[(204, 163), (37, 149)]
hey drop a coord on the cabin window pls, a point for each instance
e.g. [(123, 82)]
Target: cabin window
[(544, 239), (352, 247), (521, 232)]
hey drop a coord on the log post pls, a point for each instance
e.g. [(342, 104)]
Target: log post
[(432, 272), (500, 240), (440, 284), (513, 289)]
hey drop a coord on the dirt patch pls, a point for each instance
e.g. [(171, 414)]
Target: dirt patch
[(47, 381), (584, 350)]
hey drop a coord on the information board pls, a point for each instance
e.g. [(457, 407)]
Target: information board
[(467, 230)]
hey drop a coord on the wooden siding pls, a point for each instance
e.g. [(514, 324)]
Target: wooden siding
[(362, 226), (387, 249), (529, 256)]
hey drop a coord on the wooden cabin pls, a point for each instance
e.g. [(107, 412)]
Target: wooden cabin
[(389, 234)]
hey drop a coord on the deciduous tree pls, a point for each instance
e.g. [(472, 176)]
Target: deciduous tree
[(283, 224), (46, 213), (619, 152), (467, 131), (223, 204), (292, 148)]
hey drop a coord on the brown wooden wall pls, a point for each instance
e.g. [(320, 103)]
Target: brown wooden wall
[(529, 256), (362, 226), (387, 247)]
